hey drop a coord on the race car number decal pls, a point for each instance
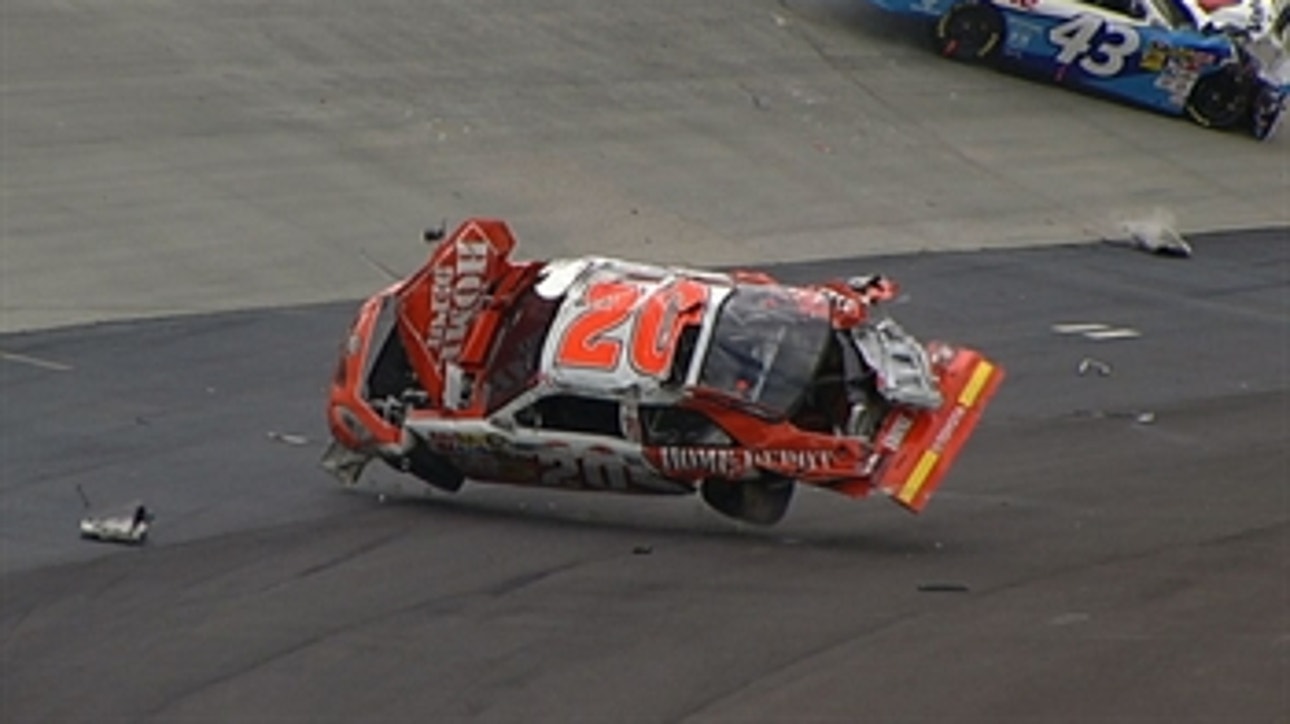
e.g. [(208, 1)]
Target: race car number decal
[(585, 343), (1106, 58), (656, 322)]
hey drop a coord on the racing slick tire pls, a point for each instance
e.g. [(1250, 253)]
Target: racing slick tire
[(432, 468), (762, 502), (1220, 99), (969, 31)]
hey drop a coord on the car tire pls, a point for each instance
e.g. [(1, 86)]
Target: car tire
[(762, 502), (969, 31), (1220, 99), (433, 469)]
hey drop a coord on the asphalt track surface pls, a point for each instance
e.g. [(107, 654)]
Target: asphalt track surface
[(255, 167), (1114, 547), (165, 156)]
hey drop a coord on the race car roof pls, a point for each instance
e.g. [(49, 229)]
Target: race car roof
[(620, 324)]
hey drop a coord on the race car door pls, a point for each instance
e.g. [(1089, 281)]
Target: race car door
[(579, 443)]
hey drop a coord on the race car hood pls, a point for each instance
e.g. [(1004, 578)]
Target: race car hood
[(438, 305)]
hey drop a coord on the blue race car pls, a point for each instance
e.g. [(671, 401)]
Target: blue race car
[(1220, 62)]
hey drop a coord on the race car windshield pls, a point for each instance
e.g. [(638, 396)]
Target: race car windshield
[(765, 347)]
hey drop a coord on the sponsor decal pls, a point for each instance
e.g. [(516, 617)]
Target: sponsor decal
[(457, 288), (733, 462), (947, 431), (465, 442), (896, 435)]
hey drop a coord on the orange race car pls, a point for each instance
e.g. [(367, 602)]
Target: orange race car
[(610, 375)]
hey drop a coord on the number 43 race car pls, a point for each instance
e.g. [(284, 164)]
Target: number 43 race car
[(608, 375), (1220, 62)]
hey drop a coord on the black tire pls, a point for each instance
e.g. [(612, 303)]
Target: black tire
[(969, 31), (762, 502), (1221, 99), (433, 469)]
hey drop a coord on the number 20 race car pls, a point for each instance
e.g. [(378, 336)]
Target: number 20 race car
[(1220, 62), (608, 375)]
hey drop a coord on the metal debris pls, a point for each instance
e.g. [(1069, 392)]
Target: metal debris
[(642, 550), (1141, 417), (1096, 331), (287, 438), (1162, 241), (1154, 236), (1089, 364), (123, 524)]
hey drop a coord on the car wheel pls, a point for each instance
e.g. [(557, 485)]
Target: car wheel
[(763, 502), (1221, 99), (432, 468), (969, 31)]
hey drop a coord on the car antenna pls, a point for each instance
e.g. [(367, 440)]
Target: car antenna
[(436, 234)]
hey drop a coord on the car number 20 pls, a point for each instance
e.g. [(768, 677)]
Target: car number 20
[(1074, 39)]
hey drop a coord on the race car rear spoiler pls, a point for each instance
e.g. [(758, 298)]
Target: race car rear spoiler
[(925, 443)]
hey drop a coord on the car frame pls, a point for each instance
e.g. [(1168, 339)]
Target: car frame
[(1221, 63), (610, 375)]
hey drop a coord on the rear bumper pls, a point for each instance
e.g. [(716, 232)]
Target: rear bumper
[(935, 437)]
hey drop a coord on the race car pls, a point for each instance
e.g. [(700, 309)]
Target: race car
[(1220, 62), (603, 374)]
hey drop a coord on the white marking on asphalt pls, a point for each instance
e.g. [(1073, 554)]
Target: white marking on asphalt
[(44, 364), (1077, 327), (1096, 331), (1117, 333)]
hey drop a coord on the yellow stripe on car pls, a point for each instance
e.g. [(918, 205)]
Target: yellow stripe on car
[(910, 489), (976, 383)]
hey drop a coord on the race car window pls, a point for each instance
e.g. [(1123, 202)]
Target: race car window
[(514, 361), (678, 426), (572, 413), (765, 347)]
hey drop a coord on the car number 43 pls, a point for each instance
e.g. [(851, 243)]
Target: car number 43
[(1074, 39)]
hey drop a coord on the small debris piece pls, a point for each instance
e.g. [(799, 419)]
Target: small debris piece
[(1115, 333), (1144, 418), (1078, 327), (1154, 233), (287, 438), (1096, 331), (127, 524), (642, 550), (941, 587), (1089, 364), (1159, 240)]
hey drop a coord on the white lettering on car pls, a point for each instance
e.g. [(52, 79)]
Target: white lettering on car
[(456, 291), (732, 462), (947, 432)]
